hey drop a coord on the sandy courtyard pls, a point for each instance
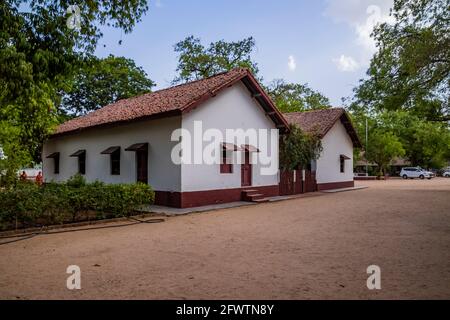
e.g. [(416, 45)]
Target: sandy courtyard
[(316, 247)]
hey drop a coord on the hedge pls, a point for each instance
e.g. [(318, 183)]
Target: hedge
[(27, 204)]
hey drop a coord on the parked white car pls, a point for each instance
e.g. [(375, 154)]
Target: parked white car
[(416, 172), (446, 174)]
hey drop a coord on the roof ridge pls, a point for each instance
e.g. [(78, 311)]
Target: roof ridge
[(198, 80), (315, 110), (162, 90), (174, 100)]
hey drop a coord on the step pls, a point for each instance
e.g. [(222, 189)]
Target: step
[(252, 197), (249, 191), (262, 200), (255, 195)]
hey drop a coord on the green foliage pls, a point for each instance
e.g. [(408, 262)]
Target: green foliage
[(298, 148), (411, 71), (76, 181), (295, 97), (14, 155), (28, 204), (100, 82), (425, 143), (383, 148), (197, 62), (38, 52)]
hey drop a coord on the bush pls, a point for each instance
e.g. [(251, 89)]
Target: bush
[(27, 204)]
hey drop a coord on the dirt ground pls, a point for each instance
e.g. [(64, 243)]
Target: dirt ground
[(317, 247)]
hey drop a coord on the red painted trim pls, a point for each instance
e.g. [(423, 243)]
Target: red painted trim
[(335, 185), (203, 198), (267, 99), (279, 118), (167, 198), (162, 115), (349, 127)]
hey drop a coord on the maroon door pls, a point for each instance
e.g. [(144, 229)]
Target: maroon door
[(246, 171), (142, 166), (310, 181), (287, 186), (299, 181)]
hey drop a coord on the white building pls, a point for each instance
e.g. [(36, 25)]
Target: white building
[(131, 140), (334, 168), (137, 139)]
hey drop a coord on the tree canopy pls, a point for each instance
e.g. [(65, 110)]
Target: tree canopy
[(195, 61), (100, 82), (295, 97), (299, 148), (38, 53), (411, 70), (383, 147), (424, 143)]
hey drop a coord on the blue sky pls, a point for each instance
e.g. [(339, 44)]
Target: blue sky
[(325, 43)]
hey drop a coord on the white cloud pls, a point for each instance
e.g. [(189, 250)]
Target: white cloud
[(346, 63), (375, 16), (362, 16), (292, 65)]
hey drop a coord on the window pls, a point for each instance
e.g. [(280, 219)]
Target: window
[(343, 158), (226, 165), (115, 162), (55, 157), (82, 163), (56, 164), (114, 156), (81, 155)]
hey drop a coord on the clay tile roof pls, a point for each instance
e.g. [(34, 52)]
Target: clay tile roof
[(169, 101), (321, 121)]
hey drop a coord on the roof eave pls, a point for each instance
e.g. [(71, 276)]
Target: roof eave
[(275, 114), (351, 130), (167, 114)]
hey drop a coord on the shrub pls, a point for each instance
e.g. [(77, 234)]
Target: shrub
[(27, 204)]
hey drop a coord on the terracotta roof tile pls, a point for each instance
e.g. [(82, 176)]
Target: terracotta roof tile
[(172, 99), (321, 121), (316, 120)]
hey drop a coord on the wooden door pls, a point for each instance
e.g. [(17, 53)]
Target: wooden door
[(287, 186), (246, 171), (142, 166), (310, 181)]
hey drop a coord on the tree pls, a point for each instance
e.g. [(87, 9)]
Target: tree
[(383, 148), (12, 154), (295, 97), (426, 143), (298, 148), (197, 62), (38, 52), (411, 70), (103, 81)]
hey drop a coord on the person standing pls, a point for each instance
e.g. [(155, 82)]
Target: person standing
[(23, 176), (39, 179)]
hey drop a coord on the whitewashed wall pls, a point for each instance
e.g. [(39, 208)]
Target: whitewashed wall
[(335, 143), (233, 108), (163, 175)]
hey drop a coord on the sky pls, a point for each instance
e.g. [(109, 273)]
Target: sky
[(325, 43)]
